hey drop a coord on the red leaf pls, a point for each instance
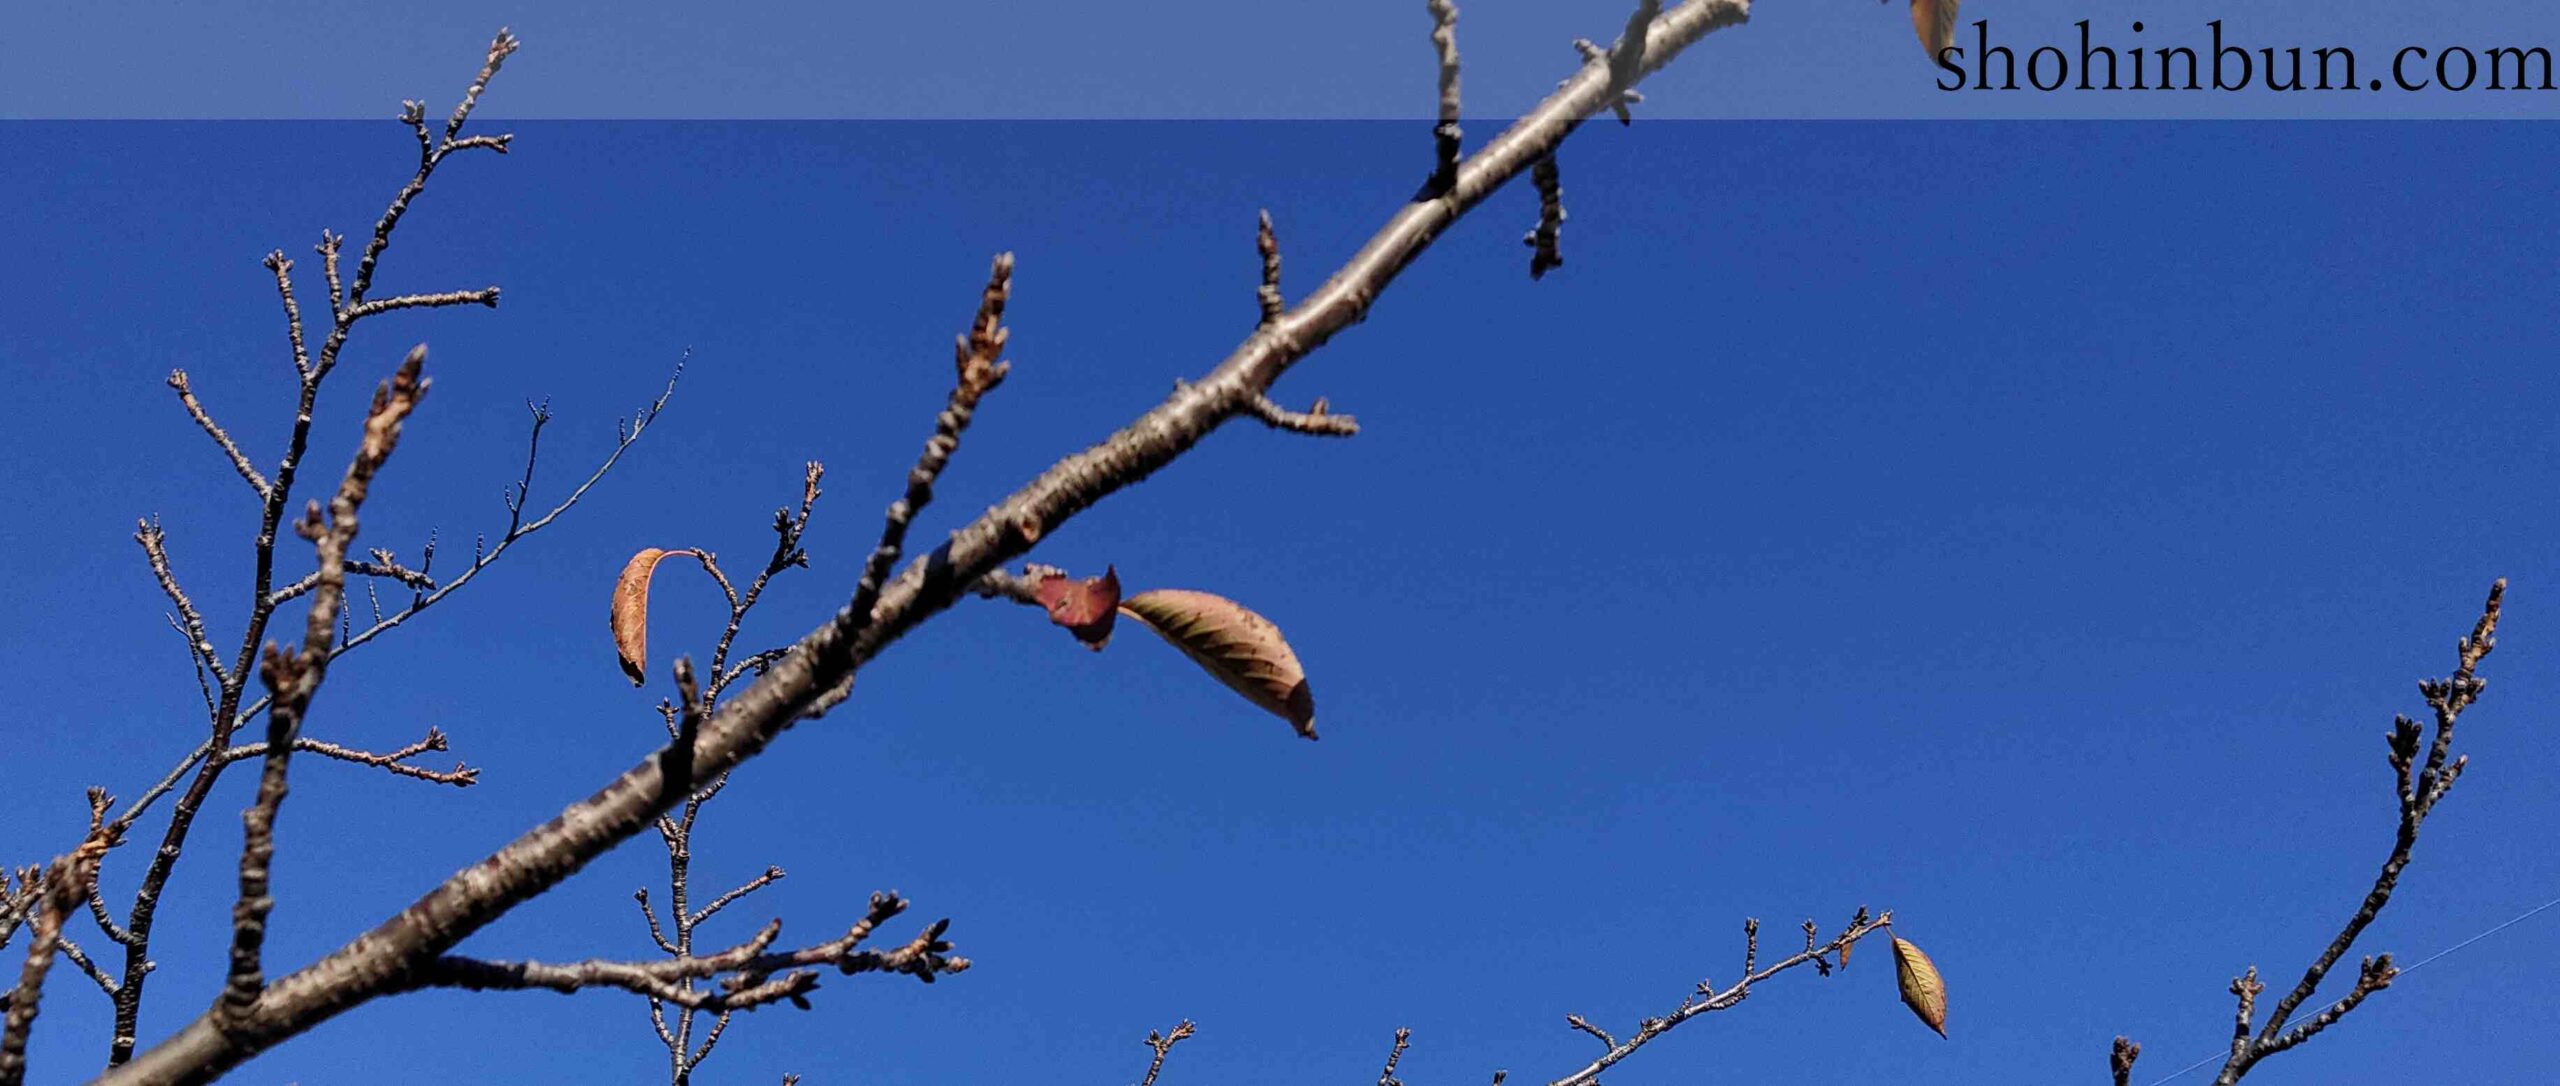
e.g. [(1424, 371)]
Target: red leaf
[(1087, 608)]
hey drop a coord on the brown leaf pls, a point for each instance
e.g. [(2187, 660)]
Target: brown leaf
[(1242, 649), (631, 611), (1087, 608), (1935, 22), (1922, 989)]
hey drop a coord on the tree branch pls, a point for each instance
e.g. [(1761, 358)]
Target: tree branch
[(227, 715), (1318, 420), (1707, 999), (292, 677), (191, 622), (749, 974), (1447, 137), (1543, 239), (1268, 296), (2420, 785), (394, 762), (1162, 1044), (195, 410), (809, 679)]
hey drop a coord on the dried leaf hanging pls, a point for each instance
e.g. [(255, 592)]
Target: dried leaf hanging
[(631, 611), (1935, 22), (1087, 608), (1922, 989), (1242, 649)]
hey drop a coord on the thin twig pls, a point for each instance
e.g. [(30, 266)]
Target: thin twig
[(1447, 138), (1546, 255), (155, 549), (1707, 999), (292, 677), (1318, 420), (1268, 295), (2420, 783), (394, 762), (1162, 1045), (221, 439)]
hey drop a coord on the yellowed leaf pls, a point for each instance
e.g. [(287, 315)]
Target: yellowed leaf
[(1240, 648), (1923, 990), (631, 611)]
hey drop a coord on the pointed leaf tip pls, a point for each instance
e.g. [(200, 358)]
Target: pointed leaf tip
[(1935, 22), (1923, 990), (1236, 646)]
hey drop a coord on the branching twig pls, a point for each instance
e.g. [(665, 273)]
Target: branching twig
[(394, 762), (191, 623), (747, 975), (2120, 1060), (54, 895), (347, 308), (2421, 783), (293, 676), (818, 672), (1162, 1044), (1395, 1055), (1708, 999)]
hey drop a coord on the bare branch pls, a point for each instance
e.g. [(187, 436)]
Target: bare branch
[(80, 958), (195, 410), (518, 531), (1707, 999), (1318, 420), (749, 974), (770, 876), (292, 678), (2120, 1060), (283, 269), (1447, 138), (44, 940), (656, 933), (818, 672), (1543, 238), (485, 296), (346, 309), (191, 623), (383, 567), (1162, 1044), (61, 885), (2420, 785), (1268, 295), (430, 153), (394, 762)]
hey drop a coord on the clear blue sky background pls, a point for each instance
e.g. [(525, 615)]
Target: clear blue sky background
[(2028, 528), (1309, 59)]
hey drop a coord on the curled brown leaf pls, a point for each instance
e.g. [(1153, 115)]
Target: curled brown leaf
[(631, 611), (1240, 648)]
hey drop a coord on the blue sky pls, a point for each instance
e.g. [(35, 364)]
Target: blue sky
[(1118, 59), (2030, 528)]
